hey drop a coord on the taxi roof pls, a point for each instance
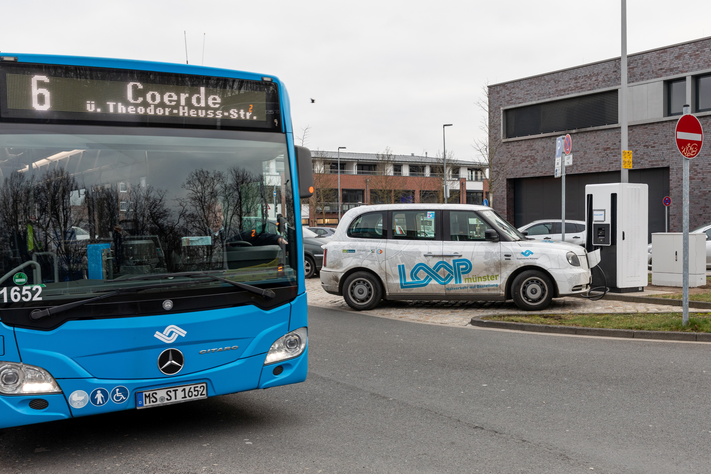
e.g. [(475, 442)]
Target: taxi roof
[(418, 205)]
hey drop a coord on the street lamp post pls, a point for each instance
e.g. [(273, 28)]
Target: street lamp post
[(339, 182), (444, 153)]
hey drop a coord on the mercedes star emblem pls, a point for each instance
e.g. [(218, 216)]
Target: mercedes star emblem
[(171, 361)]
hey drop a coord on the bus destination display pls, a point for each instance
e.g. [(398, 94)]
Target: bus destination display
[(60, 93)]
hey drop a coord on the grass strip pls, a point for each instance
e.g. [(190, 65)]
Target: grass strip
[(705, 297), (698, 322)]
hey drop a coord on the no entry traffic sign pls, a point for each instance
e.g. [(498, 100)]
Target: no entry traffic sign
[(689, 136)]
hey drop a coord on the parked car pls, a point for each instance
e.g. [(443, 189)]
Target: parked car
[(701, 230), (550, 230), (313, 253), (323, 231), (447, 252)]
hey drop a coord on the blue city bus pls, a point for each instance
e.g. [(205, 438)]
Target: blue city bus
[(150, 236)]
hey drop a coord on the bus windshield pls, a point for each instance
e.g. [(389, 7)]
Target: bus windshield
[(85, 210)]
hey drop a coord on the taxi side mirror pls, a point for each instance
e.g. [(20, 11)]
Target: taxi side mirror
[(490, 235)]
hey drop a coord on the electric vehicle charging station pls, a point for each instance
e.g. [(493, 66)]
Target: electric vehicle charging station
[(616, 221)]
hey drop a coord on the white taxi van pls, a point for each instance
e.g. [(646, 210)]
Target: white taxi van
[(444, 252)]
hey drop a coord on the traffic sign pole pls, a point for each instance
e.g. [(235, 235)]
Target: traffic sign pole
[(685, 244), (689, 136), (667, 202)]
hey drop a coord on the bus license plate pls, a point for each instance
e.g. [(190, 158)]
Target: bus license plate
[(170, 395)]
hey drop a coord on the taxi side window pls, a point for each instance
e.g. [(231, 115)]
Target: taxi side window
[(467, 226), (414, 225), (367, 226)]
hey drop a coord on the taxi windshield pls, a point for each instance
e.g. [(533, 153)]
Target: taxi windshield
[(503, 225), (84, 212)]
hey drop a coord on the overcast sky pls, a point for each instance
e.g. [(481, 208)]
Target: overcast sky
[(382, 73)]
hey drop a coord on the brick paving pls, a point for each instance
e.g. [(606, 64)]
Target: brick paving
[(460, 313)]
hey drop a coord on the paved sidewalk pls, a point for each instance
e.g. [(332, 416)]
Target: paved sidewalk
[(458, 313)]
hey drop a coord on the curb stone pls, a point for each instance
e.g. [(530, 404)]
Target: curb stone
[(664, 301), (598, 332)]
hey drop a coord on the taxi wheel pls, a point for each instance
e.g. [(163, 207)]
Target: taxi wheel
[(532, 290), (362, 291), (309, 267)]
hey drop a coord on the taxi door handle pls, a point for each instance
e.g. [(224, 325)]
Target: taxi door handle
[(430, 254)]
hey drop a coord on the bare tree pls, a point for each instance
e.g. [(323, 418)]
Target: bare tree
[(437, 175), (385, 186), (305, 135), (325, 193), (488, 146)]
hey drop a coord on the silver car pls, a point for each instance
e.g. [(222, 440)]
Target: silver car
[(550, 230)]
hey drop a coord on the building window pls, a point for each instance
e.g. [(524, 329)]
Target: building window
[(404, 196), (417, 170), (366, 168), (397, 170), (429, 196), (703, 93), (475, 175), (333, 168), (593, 110), (676, 96), (123, 188), (475, 197), (351, 198), (454, 197)]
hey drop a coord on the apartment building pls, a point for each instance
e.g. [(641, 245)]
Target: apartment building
[(378, 178)]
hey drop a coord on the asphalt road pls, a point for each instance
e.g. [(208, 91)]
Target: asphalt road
[(390, 396)]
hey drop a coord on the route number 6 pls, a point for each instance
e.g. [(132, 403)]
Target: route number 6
[(38, 92)]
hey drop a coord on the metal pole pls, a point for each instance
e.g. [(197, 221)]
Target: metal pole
[(624, 175), (339, 182), (444, 153), (562, 220), (685, 229), (685, 249)]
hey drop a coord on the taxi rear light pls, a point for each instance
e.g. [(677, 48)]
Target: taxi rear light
[(325, 253)]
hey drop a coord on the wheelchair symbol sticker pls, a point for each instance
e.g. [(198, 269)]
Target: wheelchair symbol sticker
[(119, 394)]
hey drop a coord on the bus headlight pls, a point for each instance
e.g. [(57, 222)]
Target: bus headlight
[(573, 259), (21, 379), (288, 346)]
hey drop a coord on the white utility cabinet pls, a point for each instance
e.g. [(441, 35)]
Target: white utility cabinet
[(668, 259)]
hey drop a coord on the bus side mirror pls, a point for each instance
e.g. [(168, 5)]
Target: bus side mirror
[(304, 169), (490, 235)]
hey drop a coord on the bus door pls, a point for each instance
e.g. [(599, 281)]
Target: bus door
[(414, 254), (475, 262)]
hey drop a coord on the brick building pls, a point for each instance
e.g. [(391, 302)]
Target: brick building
[(583, 102), (370, 178)]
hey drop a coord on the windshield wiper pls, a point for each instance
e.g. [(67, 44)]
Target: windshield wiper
[(43, 313), (265, 293)]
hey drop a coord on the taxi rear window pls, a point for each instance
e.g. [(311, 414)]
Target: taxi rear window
[(368, 226)]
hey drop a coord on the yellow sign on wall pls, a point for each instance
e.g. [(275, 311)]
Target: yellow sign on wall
[(627, 159)]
